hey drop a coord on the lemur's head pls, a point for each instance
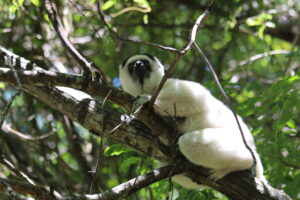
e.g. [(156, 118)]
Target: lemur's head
[(141, 74)]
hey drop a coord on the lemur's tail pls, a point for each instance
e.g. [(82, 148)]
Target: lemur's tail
[(260, 170)]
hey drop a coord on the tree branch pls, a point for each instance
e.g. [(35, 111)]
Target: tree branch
[(86, 66), (39, 77), (131, 186), (134, 41), (199, 22), (118, 192), (91, 113), (24, 188)]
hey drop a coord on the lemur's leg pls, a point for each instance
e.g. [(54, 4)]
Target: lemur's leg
[(218, 148)]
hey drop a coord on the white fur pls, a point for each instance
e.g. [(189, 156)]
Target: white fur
[(133, 87), (211, 137)]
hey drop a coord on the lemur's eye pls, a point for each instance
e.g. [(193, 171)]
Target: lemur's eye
[(139, 65), (147, 65), (130, 67)]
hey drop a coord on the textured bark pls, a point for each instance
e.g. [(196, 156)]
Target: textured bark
[(24, 188), (101, 119)]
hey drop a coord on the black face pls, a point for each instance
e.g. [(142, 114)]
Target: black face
[(139, 70)]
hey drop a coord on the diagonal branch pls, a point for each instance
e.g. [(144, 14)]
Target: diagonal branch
[(89, 113), (39, 77), (119, 37), (24, 188), (180, 53), (86, 66), (125, 189), (235, 185), (199, 22)]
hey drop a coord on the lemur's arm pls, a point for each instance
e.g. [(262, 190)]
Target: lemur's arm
[(182, 98)]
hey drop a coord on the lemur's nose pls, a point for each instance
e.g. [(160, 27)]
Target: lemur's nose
[(138, 64), (140, 69)]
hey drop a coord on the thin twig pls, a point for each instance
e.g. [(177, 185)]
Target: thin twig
[(100, 153), (127, 9), (18, 83), (237, 180), (7, 127), (36, 192), (199, 23), (6, 109), (86, 66), (116, 35), (74, 144), (13, 169), (9, 190), (262, 55), (180, 53), (84, 16), (290, 165), (127, 120), (228, 102), (131, 186)]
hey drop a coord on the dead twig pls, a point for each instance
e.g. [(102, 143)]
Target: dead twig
[(8, 128), (13, 169), (18, 83), (116, 35), (228, 102), (100, 153), (87, 67), (199, 23)]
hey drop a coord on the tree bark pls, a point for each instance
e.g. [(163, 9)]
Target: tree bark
[(103, 120)]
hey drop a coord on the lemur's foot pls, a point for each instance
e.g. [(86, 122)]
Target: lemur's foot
[(217, 174)]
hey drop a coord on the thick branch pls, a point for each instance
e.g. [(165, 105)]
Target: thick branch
[(40, 77), (118, 192), (131, 186), (137, 136), (90, 114), (24, 188)]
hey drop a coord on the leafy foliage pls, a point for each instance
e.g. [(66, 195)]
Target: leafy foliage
[(243, 40)]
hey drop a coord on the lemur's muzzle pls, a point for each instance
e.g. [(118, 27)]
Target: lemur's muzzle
[(140, 70)]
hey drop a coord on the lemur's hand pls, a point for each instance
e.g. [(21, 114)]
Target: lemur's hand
[(139, 102)]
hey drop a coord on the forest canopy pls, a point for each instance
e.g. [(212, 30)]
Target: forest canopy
[(84, 142)]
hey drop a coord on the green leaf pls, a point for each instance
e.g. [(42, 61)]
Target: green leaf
[(124, 166), (251, 22), (108, 4), (21, 2), (260, 20), (116, 149), (46, 18), (35, 2), (291, 124), (145, 19), (270, 24), (261, 31), (142, 3), (13, 9)]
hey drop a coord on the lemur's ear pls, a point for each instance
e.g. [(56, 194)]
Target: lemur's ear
[(150, 56)]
